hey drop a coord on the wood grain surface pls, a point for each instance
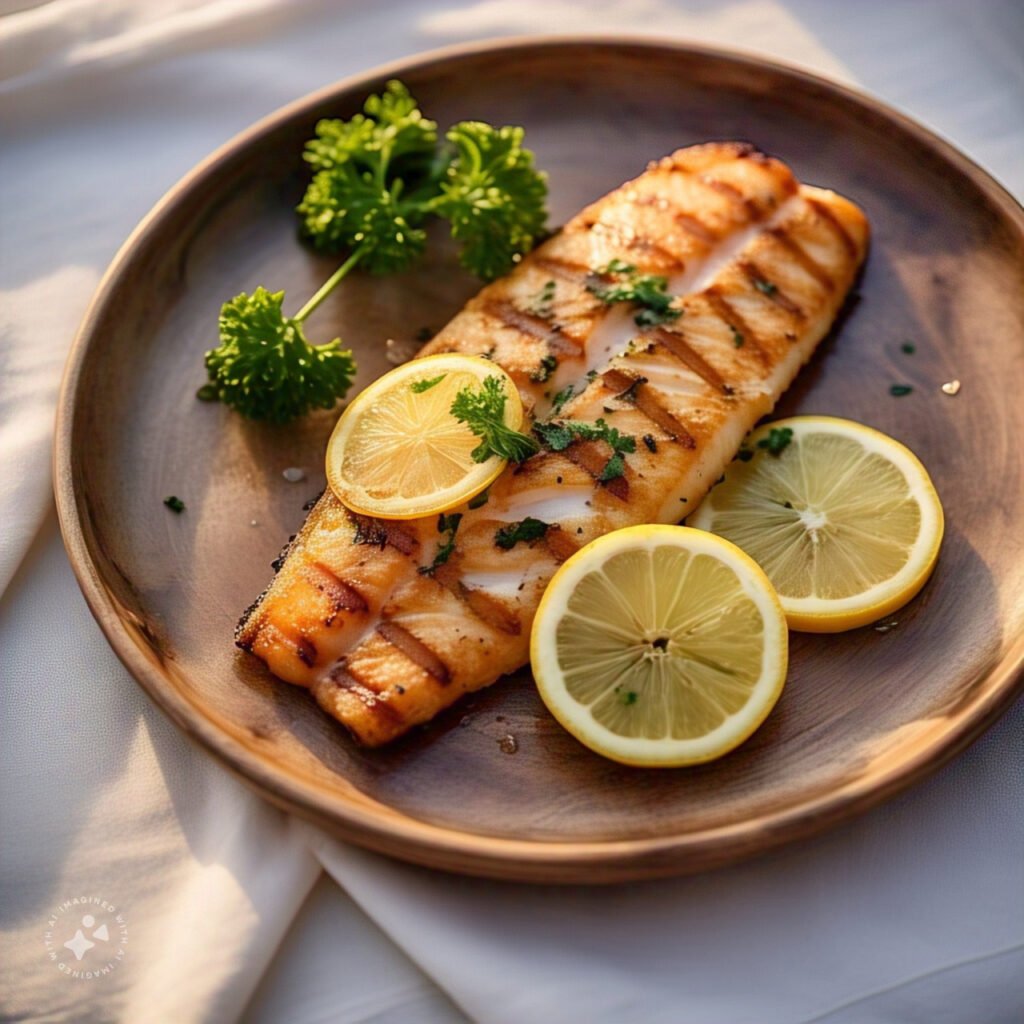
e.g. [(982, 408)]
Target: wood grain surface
[(863, 715)]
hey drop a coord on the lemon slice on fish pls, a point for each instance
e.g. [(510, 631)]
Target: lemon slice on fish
[(843, 519), (660, 646), (397, 451)]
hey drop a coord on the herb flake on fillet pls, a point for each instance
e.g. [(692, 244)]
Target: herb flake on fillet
[(483, 411), (526, 530), (557, 436), (647, 291)]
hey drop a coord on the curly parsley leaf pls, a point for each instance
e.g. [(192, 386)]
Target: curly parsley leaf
[(525, 530), (364, 166), (627, 284), (493, 197), (376, 178), (483, 411), (265, 369)]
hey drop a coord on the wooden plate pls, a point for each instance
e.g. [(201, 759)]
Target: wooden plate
[(864, 713)]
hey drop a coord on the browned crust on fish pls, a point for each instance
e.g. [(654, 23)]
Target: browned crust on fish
[(358, 612)]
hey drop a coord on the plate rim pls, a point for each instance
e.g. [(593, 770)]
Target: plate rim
[(393, 832)]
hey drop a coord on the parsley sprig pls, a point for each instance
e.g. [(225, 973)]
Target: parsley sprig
[(377, 178), (558, 436), (648, 291), (483, 411)]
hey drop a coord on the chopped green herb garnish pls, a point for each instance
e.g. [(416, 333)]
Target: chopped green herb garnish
[(207, 393), (561, 398), (907, 348), (175, 504), (419, 386), (525, 530), (648, 291), (480, 500), (899, 390), (777, 440), (626, 697), (541, 303), (448, 524), (766, 287), (483, 412), (652, 445), (548, 365), (613, 469), (737, 337), (591, 374), (558, 436)]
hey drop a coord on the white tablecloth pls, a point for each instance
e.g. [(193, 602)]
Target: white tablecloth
[(217, 906)]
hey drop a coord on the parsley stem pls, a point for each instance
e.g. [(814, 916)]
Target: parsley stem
[(330, 284)]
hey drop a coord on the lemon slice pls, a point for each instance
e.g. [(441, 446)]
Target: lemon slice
[(398, 453), (660, 646), (844, 520)]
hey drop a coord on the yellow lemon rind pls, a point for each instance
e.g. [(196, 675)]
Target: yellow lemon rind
[(639, 752), (819, 615)]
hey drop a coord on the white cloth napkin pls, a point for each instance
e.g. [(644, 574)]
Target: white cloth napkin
[(914, 913)]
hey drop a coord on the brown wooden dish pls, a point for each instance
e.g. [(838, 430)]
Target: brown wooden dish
[(495, 787)]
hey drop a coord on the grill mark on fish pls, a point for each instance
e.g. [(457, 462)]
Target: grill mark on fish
[(345, 679), (773, 293), (588, 456), (834, 223), (343, 596), (696, 227), (735, 321), (731, 192), (533, 326), (627, 238), (565, 269), (489, 609), (676, 343), (381, 532), (415, 650), (671, 262), (559, 543), (648, 401), (800, 255), (306, 651)]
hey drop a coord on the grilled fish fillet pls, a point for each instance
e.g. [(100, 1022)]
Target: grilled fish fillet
[(761, 265)]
